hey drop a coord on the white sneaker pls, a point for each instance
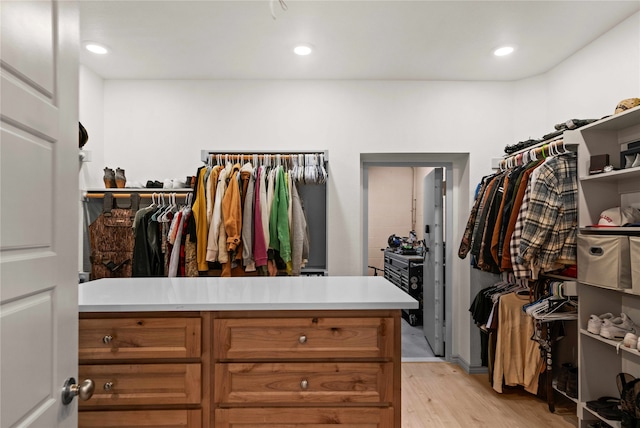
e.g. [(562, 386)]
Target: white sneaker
[(630, 341), (595, 322), (617, 328)]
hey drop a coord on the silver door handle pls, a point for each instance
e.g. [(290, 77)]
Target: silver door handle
[(84, 391)]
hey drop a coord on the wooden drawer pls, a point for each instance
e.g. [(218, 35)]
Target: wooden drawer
[(141, 418), (139, 384), (318, 383), (319, 417), (139, 338), (303, 338)]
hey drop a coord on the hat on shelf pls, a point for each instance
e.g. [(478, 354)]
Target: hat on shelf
[(627, 104), (619, 217)]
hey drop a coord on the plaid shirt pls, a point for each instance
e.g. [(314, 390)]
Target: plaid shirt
[(550, 226), (520, 271)]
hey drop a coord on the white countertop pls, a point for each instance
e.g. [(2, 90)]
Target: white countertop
[(245, 293)]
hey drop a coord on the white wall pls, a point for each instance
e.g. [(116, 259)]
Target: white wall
[(390, 202), (587, 85), (156, 129), (91, 105)]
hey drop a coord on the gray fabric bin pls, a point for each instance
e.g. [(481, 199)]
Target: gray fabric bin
[(604, 260), (634, 247)]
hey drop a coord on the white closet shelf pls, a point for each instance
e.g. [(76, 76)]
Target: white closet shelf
[(614, 424), (614, 122), (629, 291), (614, 175), (610, 230), (138, 190), (575, 400), (611, 342)]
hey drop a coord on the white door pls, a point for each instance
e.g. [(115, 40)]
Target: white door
[(38, 211), (433, 269)]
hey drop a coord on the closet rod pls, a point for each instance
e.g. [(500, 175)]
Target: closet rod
[(535, 146), (128, 195), (248, 154), (537, 149)]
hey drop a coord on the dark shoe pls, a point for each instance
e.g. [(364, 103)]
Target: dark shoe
[(121, 180), (109, 178), (603, 402), (572, 383), (561, 383)]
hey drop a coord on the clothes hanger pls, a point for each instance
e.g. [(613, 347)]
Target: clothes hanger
[(325, 175)]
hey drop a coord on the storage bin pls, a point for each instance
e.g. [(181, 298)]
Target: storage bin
[(604, 260), (634, 247)]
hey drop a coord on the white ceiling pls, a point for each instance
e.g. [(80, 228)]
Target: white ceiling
[(397, 40)]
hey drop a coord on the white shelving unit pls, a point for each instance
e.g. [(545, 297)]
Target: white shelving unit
[(600, 360)]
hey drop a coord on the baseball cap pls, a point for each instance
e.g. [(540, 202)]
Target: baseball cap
[(627, 104), (619, 217)]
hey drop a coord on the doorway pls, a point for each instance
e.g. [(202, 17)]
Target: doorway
[(395, 182)]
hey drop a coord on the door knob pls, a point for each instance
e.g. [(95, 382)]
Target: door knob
[(71, 389), (107, 339)]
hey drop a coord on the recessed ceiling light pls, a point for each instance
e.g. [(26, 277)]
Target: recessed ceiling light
[(505, 50), (96, 48), (303, 50)]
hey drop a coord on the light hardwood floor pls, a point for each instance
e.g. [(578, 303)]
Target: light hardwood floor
[(444, 395)]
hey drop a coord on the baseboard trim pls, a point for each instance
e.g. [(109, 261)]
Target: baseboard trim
[(467, 368)]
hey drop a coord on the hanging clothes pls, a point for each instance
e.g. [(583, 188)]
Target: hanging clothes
[(503, 211), (299, 233), (243, 215), (248, 226), (259, 242), (112, 240), (200, 215), (279, 236), (549, 235), (517, 357)]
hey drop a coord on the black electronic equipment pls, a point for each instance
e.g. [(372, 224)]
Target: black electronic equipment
[(405, 271)]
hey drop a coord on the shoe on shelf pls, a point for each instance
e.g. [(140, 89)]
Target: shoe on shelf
[(636, 162), (121, 179), (628, 160), (572, 383), (617, 328), (595, 322), (630, 341), (563, 377), (109, 178)]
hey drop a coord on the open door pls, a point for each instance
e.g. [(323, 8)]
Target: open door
[(39, 213), (433, 276)]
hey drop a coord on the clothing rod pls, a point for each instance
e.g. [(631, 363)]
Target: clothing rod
[(535, 146), (128, 195), (248, 154), (539, 150)]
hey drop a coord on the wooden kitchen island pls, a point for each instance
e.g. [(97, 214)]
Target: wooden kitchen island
[(241, 352)]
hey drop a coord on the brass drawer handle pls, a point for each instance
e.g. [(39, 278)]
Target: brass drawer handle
[(304, 384), (302, 339), (107, 339), (108, 386)]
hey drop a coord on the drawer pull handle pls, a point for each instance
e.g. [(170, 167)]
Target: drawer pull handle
[(596, 251), (302, 339), (304, 384), (107, 339), (108, 386)]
